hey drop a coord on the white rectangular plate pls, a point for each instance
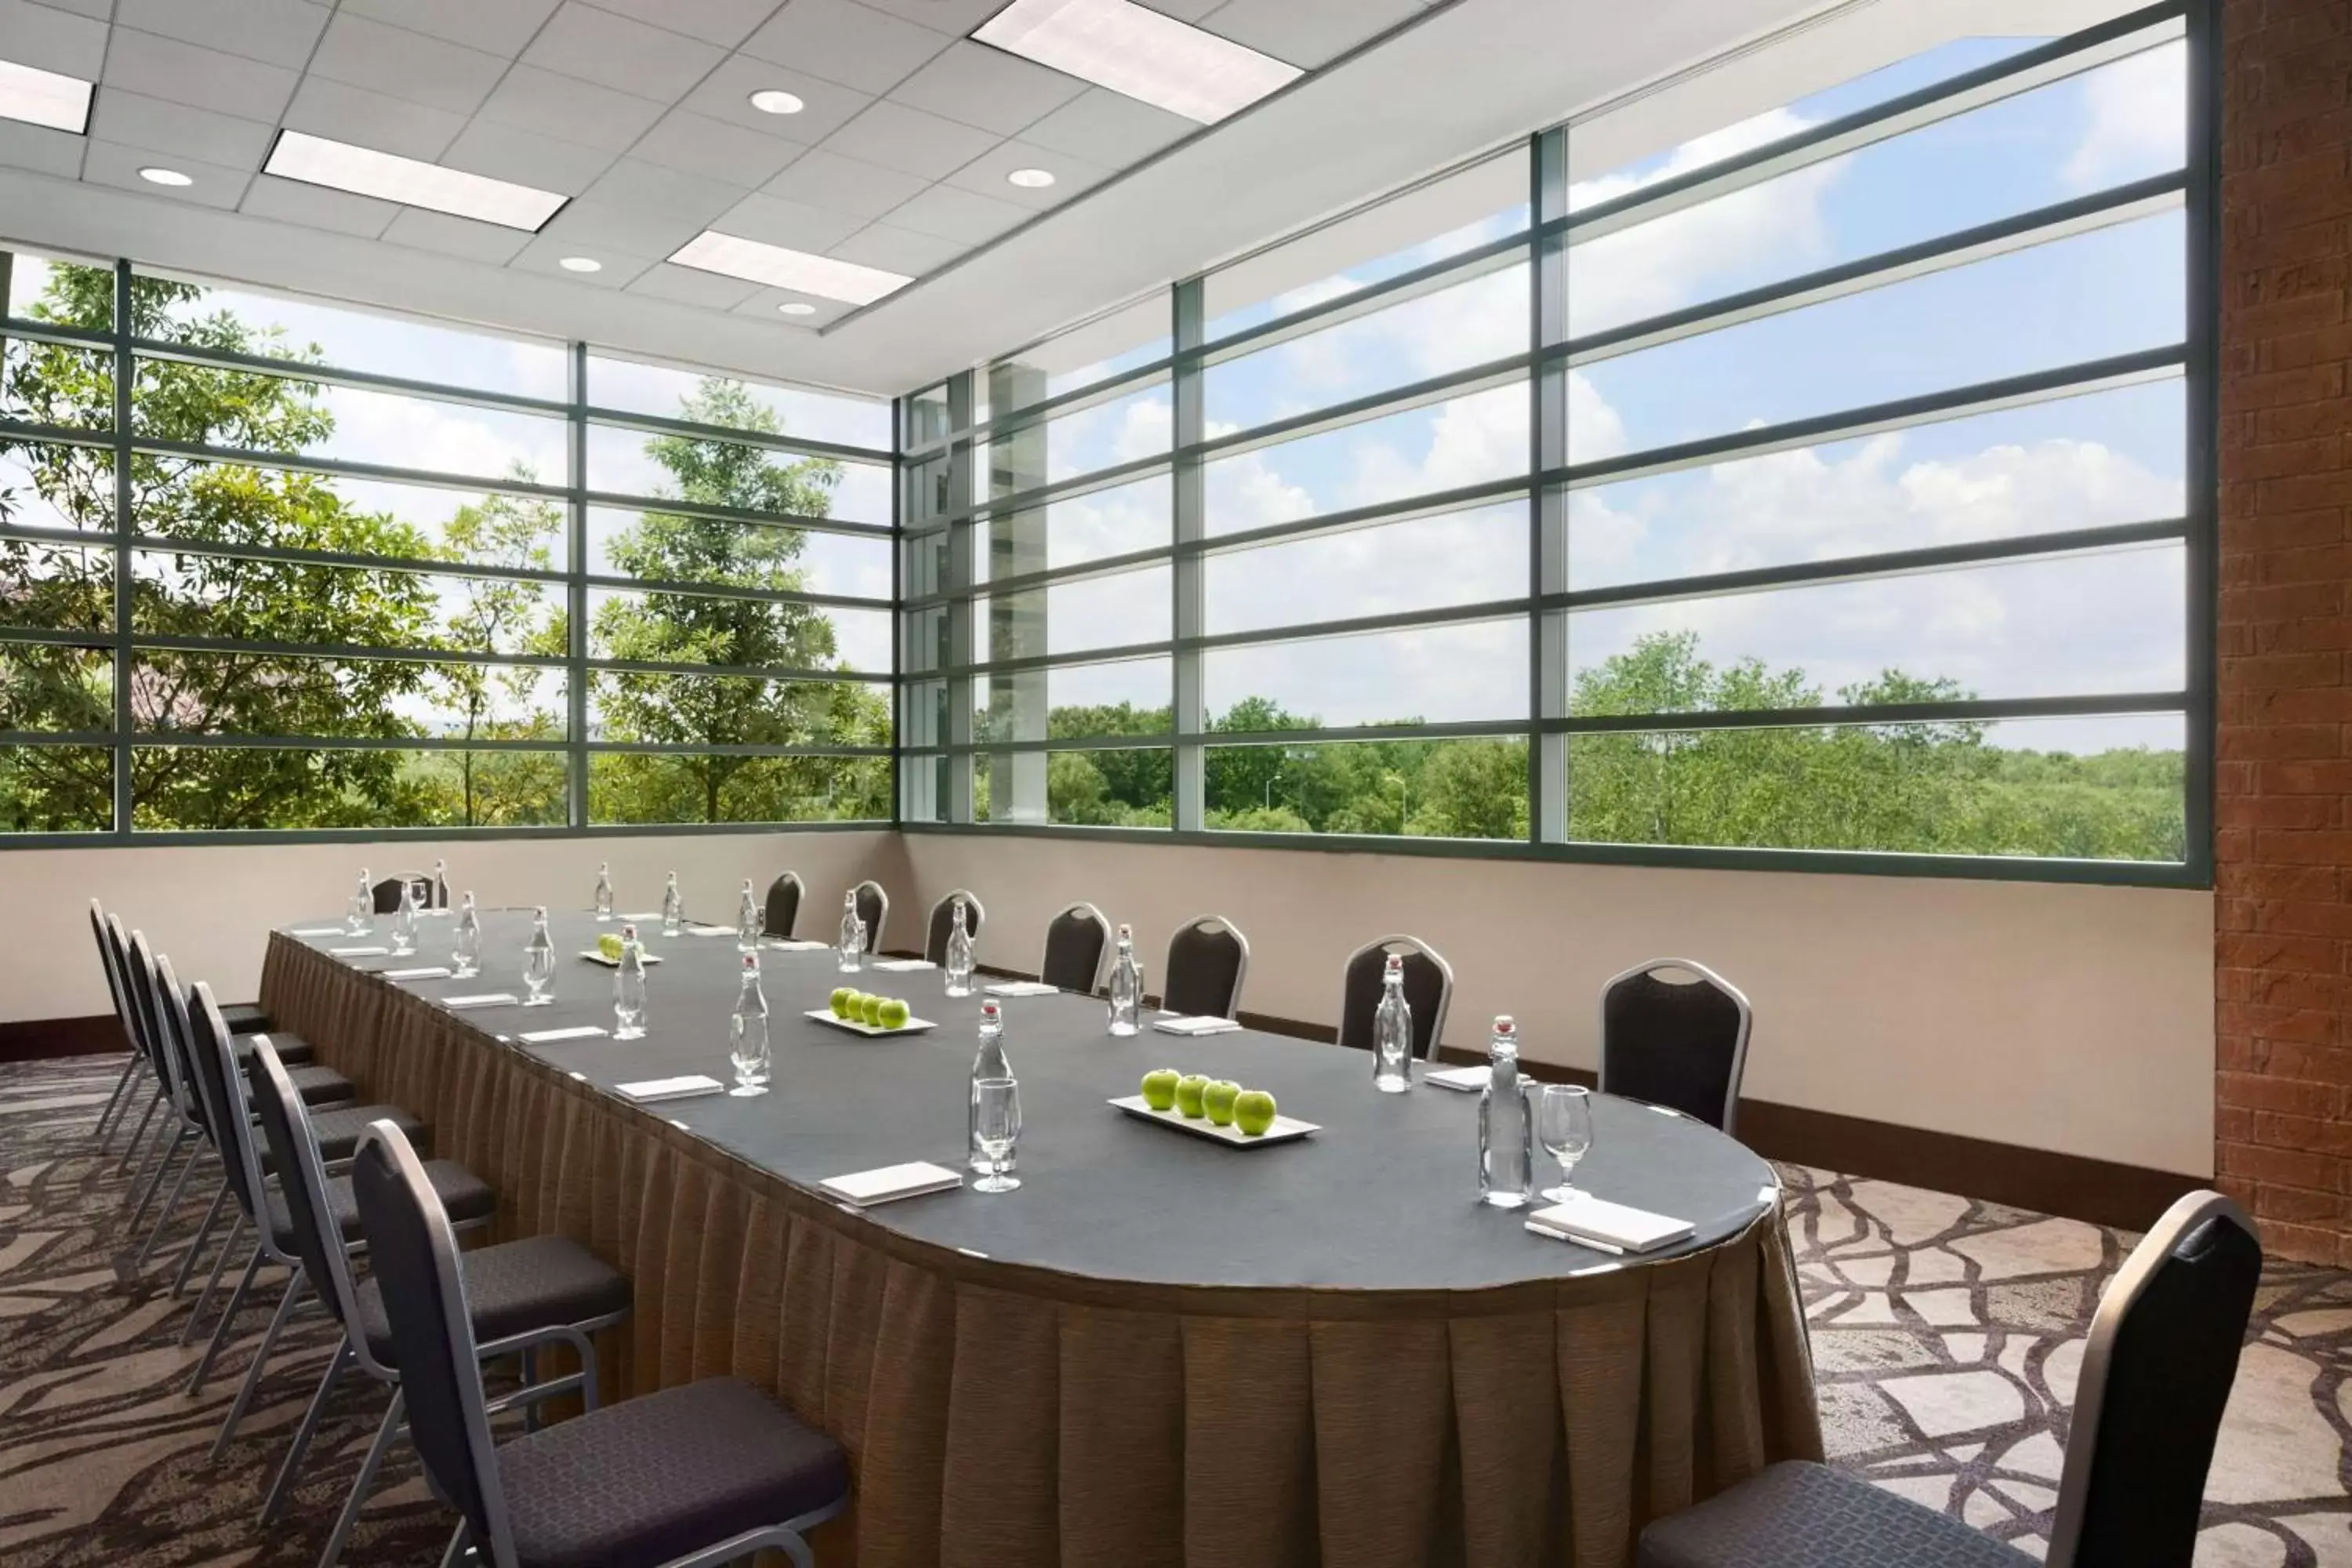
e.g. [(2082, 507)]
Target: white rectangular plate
[(1173, 1024), (593, 956), (710, 930), (1285, 1129), (488, 999), (319, 930), (825, 1016), (433, 972), (790, 944), (360, 951)]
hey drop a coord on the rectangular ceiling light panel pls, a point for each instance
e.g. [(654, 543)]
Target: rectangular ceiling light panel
[(43, 97), (1137, 51), (365, 171), (782, 268)]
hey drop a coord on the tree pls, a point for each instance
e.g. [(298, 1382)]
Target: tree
[(499, 614)]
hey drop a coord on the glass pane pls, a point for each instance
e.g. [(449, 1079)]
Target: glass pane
[(277, 326), (756, 633), (1074, 701), (711, 471), (1421, 789), (45, 484), (1429, 674), (1422, 563), (182, 594), (736, 710), (1112, 788), (59, 291), (2093, 788), (56, 384), (266, 695), (2111, 291), (57, 789), (928, 418), (2110, 622), (931, 491), (1134, 335), (47, 687), (1125, 429), (739, 405), (668, 547), (926, 713), (1139, 515), (633, 787), (929, 782), (56, 588), (249, 787), (1462, 441), (927, 638), (236, 504), (2078, 462), (1122, 609)]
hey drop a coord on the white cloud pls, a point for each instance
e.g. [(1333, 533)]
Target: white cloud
[(2139, 110)]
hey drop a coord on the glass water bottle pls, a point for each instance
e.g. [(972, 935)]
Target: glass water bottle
[(1505, 1133), (465, 948), (404, 922), (747, 921), (990, 1064), (852, 934), (604, 892), (673, 908), (747, 1032), (360, 913), (959, 952), (629, 988), (1126, 987), (1392, 1032)]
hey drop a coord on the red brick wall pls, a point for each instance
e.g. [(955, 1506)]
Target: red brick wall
[(2282, 949)]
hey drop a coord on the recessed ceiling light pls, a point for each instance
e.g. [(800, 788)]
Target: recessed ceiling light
[(365, 171), (43, 97), (160, 177), (776, 100), (798, 308), (795, 270), (1137, 51), (1029, 179), (580, 263)]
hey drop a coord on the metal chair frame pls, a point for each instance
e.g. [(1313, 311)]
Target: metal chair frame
[(1104, 954), (799, 897), (1707, 977), (881, 916), (1444, 992)]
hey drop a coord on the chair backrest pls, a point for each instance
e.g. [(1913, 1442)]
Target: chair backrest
[(106, 961), (214, 1055), (935, 940), (1428, 991), (294, 1155), (142, 1006), (2156, 1377), (1681, 1043), (414, 1257), (873, 908), (783, 909), (1078, 941), (134, 1023), (1208, 959), (172, 1035), (430, 895)]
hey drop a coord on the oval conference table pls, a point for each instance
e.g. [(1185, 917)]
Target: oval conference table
[(1157, 1351)]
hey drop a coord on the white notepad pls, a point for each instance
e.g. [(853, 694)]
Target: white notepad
[(436, 971), (710, 931), (789, 944), (1612, 1227), (1469, 1079), (654, 915), (548, 1037), (912, 1180), (319, 931), (901, 964), (361, 952), (1193, 1027), (686, 1088), (488, 999), (1024, 988)]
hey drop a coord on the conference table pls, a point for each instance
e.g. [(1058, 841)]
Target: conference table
[(1157, 1350)]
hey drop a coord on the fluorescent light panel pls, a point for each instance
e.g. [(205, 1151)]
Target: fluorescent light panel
[(773, 265), (1137, 51), (43, 97), (365, 171)]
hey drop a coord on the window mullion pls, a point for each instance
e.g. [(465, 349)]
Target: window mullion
[(1548, 778), (1189, 619), (576, 592), (125, 599)]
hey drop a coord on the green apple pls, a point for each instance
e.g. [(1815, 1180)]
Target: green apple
[(1160, 1088), (1254, 1111), (870, 1009), (609, 944), (1189, 1089), (895, 1015), (841, 1000), (1218, 1099)]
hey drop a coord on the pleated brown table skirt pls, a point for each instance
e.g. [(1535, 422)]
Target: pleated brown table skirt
[(1007, 1416)]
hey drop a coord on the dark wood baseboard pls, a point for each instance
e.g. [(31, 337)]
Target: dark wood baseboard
[(34, 1039)]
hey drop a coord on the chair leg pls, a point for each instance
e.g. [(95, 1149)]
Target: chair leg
[(220, 1266), (458, 1547), (226, 1325), (171, 1207), (175, 1139), (141, 1075), (361, 1485), (204, 1235), (121, 1085), (139, 1148), (284, 1484), (261, 1359)]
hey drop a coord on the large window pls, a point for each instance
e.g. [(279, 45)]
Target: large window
[(1808, 461), (268, 565)]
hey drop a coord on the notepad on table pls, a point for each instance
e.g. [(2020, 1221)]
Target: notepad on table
[(1469, 1079), (1173, 1025), (789, 944), (548, 1037), (900, 965), (648, 915), (361, 952), (486, 999), (710, 931), (318, 930), (1612, 1227), (911, 1180), (434, 972), (1024, 988), (687, 1088)]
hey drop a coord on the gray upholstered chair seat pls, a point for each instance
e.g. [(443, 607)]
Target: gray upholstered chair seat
[(321, 1086), (661, 1477), (292, 1050), (245, 1018), (338, 1129), (465, 1195), (1800, 1515), (512, 1288)]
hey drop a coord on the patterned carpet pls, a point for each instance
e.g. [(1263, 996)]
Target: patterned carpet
[(1946, 1337)]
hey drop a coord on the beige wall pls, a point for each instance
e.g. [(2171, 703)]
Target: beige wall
[(2078, 1019), (209, 907)]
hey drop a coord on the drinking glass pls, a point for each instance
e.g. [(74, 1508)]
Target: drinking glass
[(1564, 1126), (538, 974), (996, 1103)]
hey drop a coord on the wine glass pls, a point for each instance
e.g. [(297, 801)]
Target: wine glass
[(538, 974), (1564, 1126), (996, 1103)]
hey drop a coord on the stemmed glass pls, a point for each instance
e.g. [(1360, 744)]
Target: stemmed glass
[(1564, 1126), (538, 974), (996, 1104)]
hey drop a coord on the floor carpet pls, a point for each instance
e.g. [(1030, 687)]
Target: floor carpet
[(1946, 1337)]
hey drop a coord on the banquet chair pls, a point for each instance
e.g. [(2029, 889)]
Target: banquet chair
[(698, 1474), (430, 895), (873, 908), (1208, 959), (1077, 943), (783, 909), (935, 940), (139, 1067), (2154, 1379), (521, 1296), (1428, 992), (1679, 1044)]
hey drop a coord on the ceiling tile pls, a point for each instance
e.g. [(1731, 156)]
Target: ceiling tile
[(621, 53), (986, 174), (109, 164), (840, 184), (689, 287), (279, 31), (1306, 33), (455, 236), (726, 23), (205, 78), (726, 94), (762, 306), (1109, 128), (1182, 10), (500, 26), (52, 40), (909, 140), (772, 220), (315, 206), (406, 65), (701, 145), (588, 226), (569, 110), (957, 16), (897, 249), (987, 87), (99, 9), (648, 188), (135, 120), (504, 152), (843, 41), (546, 253), (40, 149), (948, 213), (364, 118)]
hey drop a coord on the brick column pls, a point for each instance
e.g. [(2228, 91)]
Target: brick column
[(2282, 949)]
